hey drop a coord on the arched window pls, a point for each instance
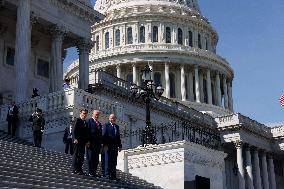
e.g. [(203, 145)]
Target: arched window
[(179, 36), (129, 36), (172, 86), (157, 79), (106, 40), (142, 34), (97, 43), (129, 78), (168, 35), (190, 38), (117, 37), (155, 34), (199, 41)]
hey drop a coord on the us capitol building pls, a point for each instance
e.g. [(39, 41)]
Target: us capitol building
[(200, 139)]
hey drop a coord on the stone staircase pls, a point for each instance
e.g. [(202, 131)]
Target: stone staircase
[(25, 166)]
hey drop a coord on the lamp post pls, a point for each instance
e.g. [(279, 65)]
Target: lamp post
[(147, 92)]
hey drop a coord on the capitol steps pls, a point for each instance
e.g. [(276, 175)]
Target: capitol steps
[(25, 166)]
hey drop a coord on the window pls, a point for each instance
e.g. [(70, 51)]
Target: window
[(10, 57), (155, 34), (97, 43), (168, 35), (199, 41), (129, 36), (107, 40), (190, 38), (206, 43), (43, 68), (117, 37), (157, 79), (142, 34), (179, 36), (172, 86)]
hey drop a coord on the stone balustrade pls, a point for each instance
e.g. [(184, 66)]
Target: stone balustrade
[(239, 120), (278, 132), (58, 106), (191, 51)]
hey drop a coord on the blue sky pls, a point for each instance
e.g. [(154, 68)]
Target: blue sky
[(251, 38)]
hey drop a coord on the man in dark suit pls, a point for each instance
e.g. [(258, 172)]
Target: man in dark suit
[(12, 118), (67, 137), (93, 150), (111, 146), (80, 140)]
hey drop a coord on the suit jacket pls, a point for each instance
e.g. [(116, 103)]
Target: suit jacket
[(13, 117), (95, 132), (111, 136), (81, 131)]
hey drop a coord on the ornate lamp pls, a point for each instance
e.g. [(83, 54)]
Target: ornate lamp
[(148, 92)]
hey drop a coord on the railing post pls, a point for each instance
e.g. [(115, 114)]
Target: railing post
[(126, 170)]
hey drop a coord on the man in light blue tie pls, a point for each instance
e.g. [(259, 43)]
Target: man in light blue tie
[(111, 145)]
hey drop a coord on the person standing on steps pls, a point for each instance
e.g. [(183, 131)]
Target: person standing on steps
[(37, 126), (93, 151), (111, 146), (12, 118), (67, 138), (80, 140)]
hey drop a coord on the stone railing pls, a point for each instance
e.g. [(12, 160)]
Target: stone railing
[(278, 131), (58, 106), (181, 49), (239, 120)]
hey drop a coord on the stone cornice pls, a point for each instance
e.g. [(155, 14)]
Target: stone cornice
[(79, 8), (104, 58), (181, 151), (238, 121)]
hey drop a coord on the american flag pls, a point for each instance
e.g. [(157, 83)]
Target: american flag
[(281, 100)]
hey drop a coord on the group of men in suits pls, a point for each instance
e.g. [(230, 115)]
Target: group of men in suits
[(90, 136)]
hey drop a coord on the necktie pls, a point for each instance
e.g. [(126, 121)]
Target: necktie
[(98, 124)]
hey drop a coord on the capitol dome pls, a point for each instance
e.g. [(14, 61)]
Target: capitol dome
[(104, 6), (174, 39)]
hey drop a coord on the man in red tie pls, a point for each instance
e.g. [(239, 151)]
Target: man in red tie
[(112, 144), (93, 150)]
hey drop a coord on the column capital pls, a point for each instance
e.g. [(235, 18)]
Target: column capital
[(57, 31), (84, 45), (238, 143)]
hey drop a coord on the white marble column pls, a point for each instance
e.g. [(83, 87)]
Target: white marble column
[(249, 169), (231, 107), (190, 86), (272, 181), (241, 172), (264, 171), (84, 47), (209, 90), (218, 90), (118, 70), (257, 179), (22, 50), (225, 92), (134, 74), (201, 87), (197, 87), (182, 83), (56, 58), (167, 79)]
